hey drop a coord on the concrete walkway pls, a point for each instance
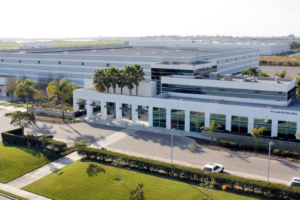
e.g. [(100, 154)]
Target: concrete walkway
[(21, 193), (44, 171), (113, 138)]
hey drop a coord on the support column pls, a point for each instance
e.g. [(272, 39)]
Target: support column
[(250, 124), (187, 121), (89, 109), (274, 129), (150, 116), (207, 119), (135, 116), (103, 110), (168, 118), (118, 112), (228, 123), (75, 105)]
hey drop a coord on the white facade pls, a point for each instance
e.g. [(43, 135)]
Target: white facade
[(274, 111), (264, 48), (3, 82), (35, 46)]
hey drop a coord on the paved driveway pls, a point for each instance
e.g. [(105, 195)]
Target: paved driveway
[(271, 70), (67, 132), (155, 144)]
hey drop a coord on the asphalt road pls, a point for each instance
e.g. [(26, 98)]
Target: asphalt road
[(271, 70), (158, 145)]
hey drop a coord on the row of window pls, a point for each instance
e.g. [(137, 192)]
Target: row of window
[(239, 124)]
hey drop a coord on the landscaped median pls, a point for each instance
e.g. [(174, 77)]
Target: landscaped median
[(12, 195), (150, 172)]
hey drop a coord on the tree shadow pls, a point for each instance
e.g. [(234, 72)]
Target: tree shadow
[(58, 172), (31, 150), (94, 170), (43, 129)]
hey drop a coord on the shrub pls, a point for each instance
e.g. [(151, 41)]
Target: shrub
[(14, 137), (194, 174), (70, 120)]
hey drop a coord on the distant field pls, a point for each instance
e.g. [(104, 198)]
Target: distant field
[(65, 44), (295, 58)]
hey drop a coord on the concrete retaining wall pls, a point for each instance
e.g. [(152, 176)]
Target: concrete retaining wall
[(51, 113), (251, 139)]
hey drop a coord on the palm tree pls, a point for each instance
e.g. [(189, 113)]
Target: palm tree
[(252, 71), (263, 74), (98, 80), (25, 87), (139, 76), (113, 74), (130, 73), (60, 89), (212, 128), (281, 74), (121, 82), (107, 79), (256, 133)]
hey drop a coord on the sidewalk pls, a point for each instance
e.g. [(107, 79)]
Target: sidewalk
[(43, 171)]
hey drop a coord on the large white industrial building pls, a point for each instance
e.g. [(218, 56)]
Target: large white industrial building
[(265, 48), (78, 63)]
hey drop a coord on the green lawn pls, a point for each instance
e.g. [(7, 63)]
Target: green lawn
[(18, 160), (91, 180), (12, 195)]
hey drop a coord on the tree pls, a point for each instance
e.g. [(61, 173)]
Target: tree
[(297, 134), (11, 86), (208, 184), (212, 128), (23, 120), (256, 133), (130, 73), (139, 76), (137, 193), (81, 146), (25, 87), (252, 71), (281, 74), (118, 163), (121, 82), (60, 89), (263, 74), (113, 74), (99, 80)]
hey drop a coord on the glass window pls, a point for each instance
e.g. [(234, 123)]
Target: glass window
[(258, 121), (214, 116), (235, 118), (193, 114)]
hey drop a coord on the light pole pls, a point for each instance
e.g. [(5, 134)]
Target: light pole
[(270, 144), (172, 146), (36, 112)]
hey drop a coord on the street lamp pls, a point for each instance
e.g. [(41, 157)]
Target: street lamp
[(36, 112), (172, 146), (270, 144)]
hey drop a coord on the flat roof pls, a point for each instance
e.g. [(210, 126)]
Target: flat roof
[(134, 51), (294, 106), (267, 80)]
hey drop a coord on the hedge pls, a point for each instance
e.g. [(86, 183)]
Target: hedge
[(194, 174), (30, 140), (286, 152)]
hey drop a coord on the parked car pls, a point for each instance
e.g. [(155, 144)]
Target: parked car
[(295, 182), (214, 167), (48, 136)]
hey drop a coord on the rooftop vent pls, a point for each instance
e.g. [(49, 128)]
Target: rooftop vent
[(278, 81), (93, 50), (214, 75), (66, 52), (228, 77), (245, 77)]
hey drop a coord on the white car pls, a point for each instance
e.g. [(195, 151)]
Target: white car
[(295, 182), (214, 167)]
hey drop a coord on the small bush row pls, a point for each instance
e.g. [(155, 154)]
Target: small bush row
[(282, 63), (286, 152), (9, 114), (30, 140), (193, 174), (70, 120), (52, 106)]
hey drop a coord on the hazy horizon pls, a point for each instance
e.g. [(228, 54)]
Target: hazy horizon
[(66, 19)]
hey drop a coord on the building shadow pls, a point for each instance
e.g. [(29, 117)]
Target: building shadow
[(94, 170)]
